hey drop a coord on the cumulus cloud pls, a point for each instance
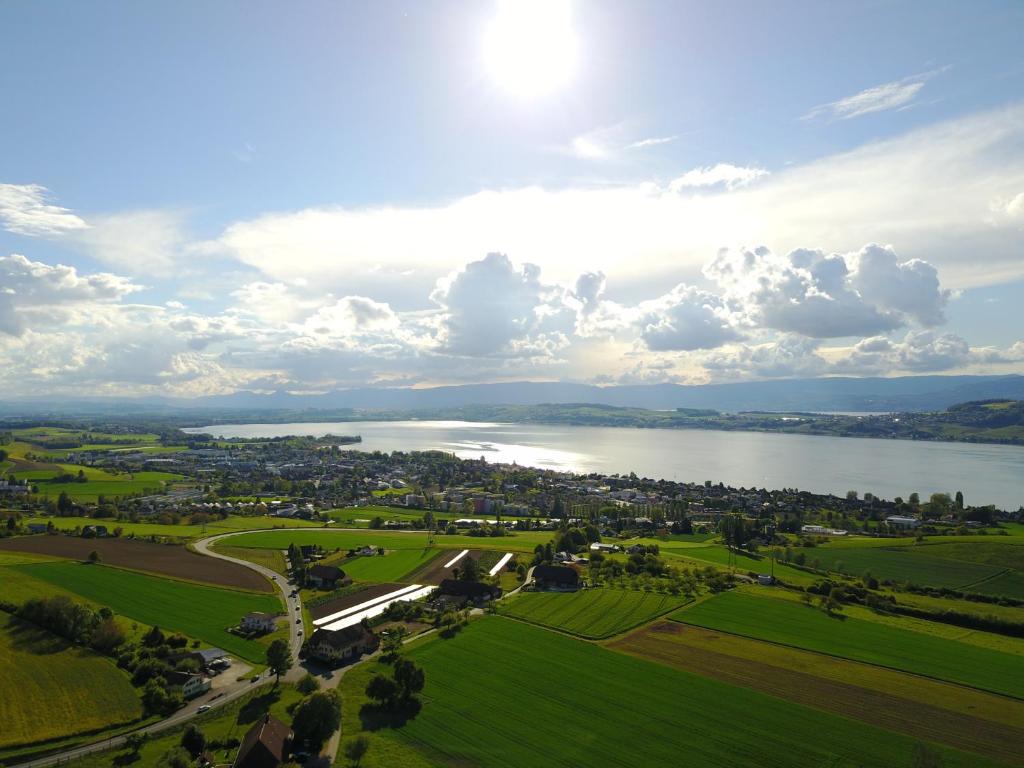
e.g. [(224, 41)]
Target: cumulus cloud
[(25, 210), (828, 295), (32, 290), (789, 356), (723, 174), (686, 318)]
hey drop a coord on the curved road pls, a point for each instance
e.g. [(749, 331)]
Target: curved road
[(215, 698)]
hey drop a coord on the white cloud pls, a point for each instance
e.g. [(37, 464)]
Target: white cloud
[(653, 141), (686, 318), (879, 98), (24, 210), (892, 191), (790, 356), (723, 174), (144, 242)]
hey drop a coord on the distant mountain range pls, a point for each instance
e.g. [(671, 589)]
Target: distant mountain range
[(907, 393)]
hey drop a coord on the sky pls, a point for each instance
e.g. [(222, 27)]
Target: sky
[(199, 198)]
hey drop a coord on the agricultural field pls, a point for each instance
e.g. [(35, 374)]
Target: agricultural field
[(350, 539), (197, 611), (564, 688), (800, 626), (929, 565), (183, 531), (590, 613), (963, 718), (269, 558), (393, 565), (98, 483), (50, 689), (165, 559)]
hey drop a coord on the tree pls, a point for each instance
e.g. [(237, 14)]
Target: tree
[(383, 689), (308, 684), (960, 500), (392, 644), (134, 741), (107, 636), (469, 571), (356, 749), (175, 758), (94, 557), (157, 700), (64, 502), (317, 716), (279, 658), (409, 677), (193, 740), (154, 637)]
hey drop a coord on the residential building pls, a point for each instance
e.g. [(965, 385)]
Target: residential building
[(260, 622), (340, 645), (192, 684), (556, 577), (326, 577), (265, 745)]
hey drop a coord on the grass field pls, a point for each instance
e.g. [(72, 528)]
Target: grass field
[(346, 539), (590, 613), (268, 558), (182, 531), (963, 718), (49, 689), (394, 565), (800, 626), (99, 483), (503, 693), (197, 611)]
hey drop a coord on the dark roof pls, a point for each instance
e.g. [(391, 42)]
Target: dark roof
[(264, 745), (472, 589), (326, 572), (206, 655), (559, 574), (342, 638)]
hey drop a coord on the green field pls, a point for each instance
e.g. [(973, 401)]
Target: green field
[(182, 530), (394, 565), (348, 539), (197, 611), (590, 613), (503, 693), (50, 689), (790, 623), (99, 483)]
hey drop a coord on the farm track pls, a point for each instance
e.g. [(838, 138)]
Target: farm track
[(686, 648), (170, 560)]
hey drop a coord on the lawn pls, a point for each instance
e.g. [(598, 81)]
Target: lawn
[(789, 623), (504, 693), (183, 530), (349, 539), (50, 689), (394, 565), (197, 611), (99, 483), (590, 613)]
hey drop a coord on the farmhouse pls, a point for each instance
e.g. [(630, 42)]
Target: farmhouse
[(558, 577), (338, 645), (259, 622), (821, 530), (265, 745), (456, 590), (326, 577), (191, 684), (900, 521), (598, 546)]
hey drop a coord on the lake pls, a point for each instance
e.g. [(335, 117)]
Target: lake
[(987, 474)]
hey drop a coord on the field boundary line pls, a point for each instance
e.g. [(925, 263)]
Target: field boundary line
[(994, 576)]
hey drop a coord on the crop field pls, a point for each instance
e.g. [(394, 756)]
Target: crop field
[(590, 613), (914, 564), (197, 611), (269, 558), (800, 626), (349, 539), (565, 688), (394, 565), (959, 717), (1008, 584), (164, 559), (99, 483), (50, 689)]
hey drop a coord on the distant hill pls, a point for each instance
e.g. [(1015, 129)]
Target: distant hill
[(907, 393)]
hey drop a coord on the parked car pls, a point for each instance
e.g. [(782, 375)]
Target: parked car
[(203, 708)]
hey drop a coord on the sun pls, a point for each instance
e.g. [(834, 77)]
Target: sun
[(529, 47)]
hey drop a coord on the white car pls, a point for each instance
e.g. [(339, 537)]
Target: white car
[(202, 708)]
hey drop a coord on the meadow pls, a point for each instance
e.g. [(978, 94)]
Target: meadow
[(959, 717), (349, 539), (197, 611), (577, 703), (590, 613), (183, 530), (50, 689), (800, 626), (393, 566), (98, 483)]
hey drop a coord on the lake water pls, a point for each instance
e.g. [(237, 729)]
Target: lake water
[(987, 474)]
